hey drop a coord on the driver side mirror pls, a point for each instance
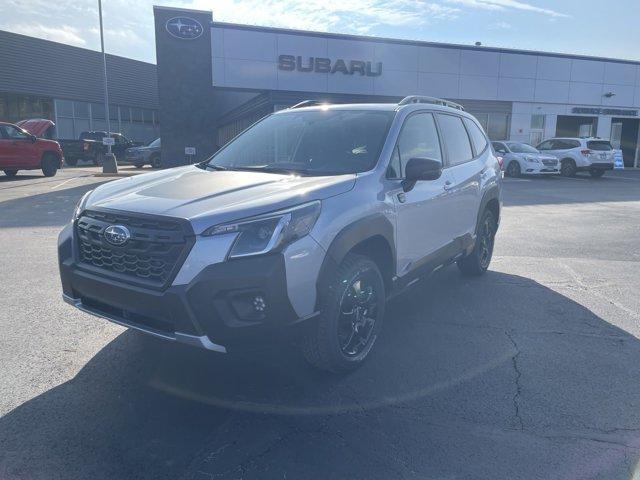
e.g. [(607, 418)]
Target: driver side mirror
[(420, 169), (502, 151), (32, 138)]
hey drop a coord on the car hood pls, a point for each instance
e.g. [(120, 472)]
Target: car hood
[(210, 197)]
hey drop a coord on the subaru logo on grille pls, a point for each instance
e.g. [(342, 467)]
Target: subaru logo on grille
[(117, 235), (184, 28)]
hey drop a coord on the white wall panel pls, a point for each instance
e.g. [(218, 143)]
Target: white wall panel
[(619, 73), (554, 68), (623, 95), (591, 71), (439, 60), (250, 74), (521, 89), (585, 93), (340, 83), (552, 91), (476, 62), (478, 87), (397, 57), (518, 65), (249, 45), (438, 85), (396, 83), (300, 45)]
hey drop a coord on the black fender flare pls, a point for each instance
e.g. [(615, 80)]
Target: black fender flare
[(375, 225), (492, 193)]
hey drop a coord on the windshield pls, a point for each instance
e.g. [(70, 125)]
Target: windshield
[(155, 143), (522, 148), (312, 142)]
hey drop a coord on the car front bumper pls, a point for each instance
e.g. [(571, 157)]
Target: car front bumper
[(540, 169), (214, 309)]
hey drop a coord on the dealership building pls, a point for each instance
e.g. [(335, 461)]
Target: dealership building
[(215, 79), (43, 79)]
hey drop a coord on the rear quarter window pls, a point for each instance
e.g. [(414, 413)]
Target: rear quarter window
[(478, 139), (599, 145)]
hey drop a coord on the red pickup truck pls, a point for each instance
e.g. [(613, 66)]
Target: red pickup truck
[(21, 150)]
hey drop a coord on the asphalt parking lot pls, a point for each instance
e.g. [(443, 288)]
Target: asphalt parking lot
[(530, 372)]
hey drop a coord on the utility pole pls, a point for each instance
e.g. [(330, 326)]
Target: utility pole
[(109, 164)]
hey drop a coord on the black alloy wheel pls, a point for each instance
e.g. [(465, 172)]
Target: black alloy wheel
[(513, 169), (352, 311), (357, 314)]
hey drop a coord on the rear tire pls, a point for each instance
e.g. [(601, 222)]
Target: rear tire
[(155, 161), (351, 317), (568, 168), (477, 262), (50, 165), (513, 169), (596, 173), (10, 173)]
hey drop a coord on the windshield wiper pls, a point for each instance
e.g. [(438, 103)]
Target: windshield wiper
[(215, 167)]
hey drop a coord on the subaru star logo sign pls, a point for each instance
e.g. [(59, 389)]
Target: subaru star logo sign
[(184, 28), (117, 235)]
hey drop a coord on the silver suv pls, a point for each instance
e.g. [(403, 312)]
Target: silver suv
[(300, 228), (588, 154)]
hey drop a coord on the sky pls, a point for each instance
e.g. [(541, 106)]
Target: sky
[(586, 27)]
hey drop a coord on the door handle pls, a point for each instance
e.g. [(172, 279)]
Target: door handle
[(447, 185)]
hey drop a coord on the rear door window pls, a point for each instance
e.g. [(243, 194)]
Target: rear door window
[(599, 145), (456, 140)]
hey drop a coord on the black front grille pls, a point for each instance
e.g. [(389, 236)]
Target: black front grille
[(151, 257), (550, 163)]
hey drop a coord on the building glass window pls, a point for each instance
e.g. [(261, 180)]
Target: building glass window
[(125, 114), (97, 111), (498, 126), (136, 115), (537, 122), (81, 109)]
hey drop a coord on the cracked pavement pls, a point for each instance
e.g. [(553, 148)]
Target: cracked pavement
[(530, 372)]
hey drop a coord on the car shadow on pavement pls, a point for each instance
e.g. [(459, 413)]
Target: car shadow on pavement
[(49, 209), (498, 377)]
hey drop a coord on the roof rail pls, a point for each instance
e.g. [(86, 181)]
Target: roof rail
[(307, 103), (432, 100)]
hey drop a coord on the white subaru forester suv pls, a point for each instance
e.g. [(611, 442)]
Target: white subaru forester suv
[(588, 154), (299, 229)]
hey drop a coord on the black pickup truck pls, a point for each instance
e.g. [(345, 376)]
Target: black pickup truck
[(89, 147)]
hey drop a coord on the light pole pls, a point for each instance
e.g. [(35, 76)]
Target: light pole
[(109, 164)]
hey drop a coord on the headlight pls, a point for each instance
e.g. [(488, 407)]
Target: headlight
[(531, 160), (266, 233), (80, 206)]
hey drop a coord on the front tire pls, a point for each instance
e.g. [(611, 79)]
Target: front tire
[(50, 165), (351, 317), (596, 173), (568, 168), (513, 169), (477, 262), (10, 173)]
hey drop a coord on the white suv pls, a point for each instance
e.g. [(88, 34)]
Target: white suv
[(303, 225), (589, 154)]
